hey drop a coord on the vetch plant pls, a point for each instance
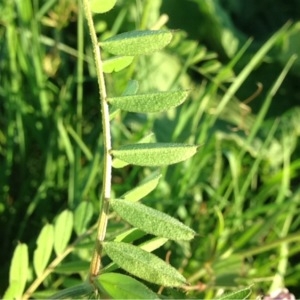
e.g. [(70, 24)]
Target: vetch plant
[(134, 259)]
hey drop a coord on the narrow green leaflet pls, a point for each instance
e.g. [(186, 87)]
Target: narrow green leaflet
[(80, 291), (18, 273), (130, 235), (128, 287), (102, 6), (44, 249), (117, 163), (153, 244), (149, 103), (82, 216), (239, 295), (131, 88), (143, 189), (116, 64), (143, 264), (148, 246), (137, 42), (154, 154), (72, 267), (151, 220), (62, 231)]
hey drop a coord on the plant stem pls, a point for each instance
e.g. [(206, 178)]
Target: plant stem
[(79, 97), (107, 161)]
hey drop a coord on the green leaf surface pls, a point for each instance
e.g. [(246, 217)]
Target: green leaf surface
[(116, 64), (72, 267), (102, 6), (143, 189), (82, 217), (151, 220), (62, 231), (153, 244), (239, 295), (154, 154), (80, 291), (149, 103), (137, 42), (130, 235), (18, 273), (148, 246), (44, 249), (117, 163), (143, 264), (119, 286), (131, 88)]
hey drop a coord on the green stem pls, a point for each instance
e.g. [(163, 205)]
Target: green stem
[(79, 94), (107, 161)]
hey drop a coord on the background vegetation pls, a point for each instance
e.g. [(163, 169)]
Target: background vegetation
[(240, 193)]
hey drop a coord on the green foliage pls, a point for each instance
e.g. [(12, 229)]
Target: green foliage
[(137, 42), (145, 188), (18, 272), (62, 231), (117, 63), (242, 294), (149, 103), (102, 6), (127, 287), (143, 264), (151, 220), (82, 216), (154, 154), (44, 249), (238, 190)]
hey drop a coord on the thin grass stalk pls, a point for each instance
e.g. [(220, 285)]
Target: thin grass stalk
[(38, 67), (278, 279), (79, 97)]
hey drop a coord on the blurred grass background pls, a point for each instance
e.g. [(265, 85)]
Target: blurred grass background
[(241, 193)]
